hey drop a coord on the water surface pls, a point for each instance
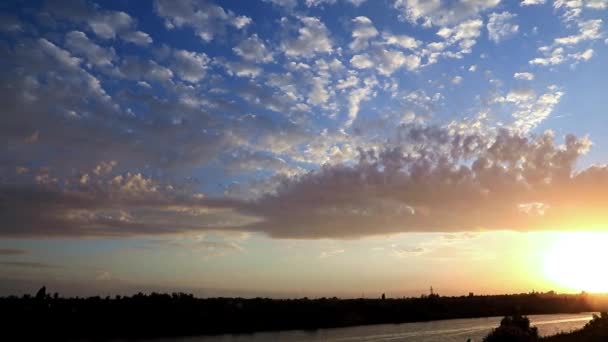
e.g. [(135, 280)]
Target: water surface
[(435, 331)]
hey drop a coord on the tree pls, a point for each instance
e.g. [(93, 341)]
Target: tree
[(514, 328)]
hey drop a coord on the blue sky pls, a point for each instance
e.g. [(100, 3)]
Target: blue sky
[(272, 146)]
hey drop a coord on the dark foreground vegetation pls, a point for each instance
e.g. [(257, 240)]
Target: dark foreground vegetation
[(517, 328), (54, 317)]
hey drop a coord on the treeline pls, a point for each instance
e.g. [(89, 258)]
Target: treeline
[(180, 314)]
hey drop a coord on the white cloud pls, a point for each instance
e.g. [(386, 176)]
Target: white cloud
[(583, 56), (385, 61), (361, 61), (241, 69), (253, 49), (363, 31), (500, 26), (137, 37), (356, 96), (457, 80), (190, 66), (469, 29), (206, 19), (138, 69), (327, 254), (530, 110), (526, 76), (552, 57), (403, 41), (531, 2), (107, 24), (289, 4), (313, 38), (349, 82), (313, 3), (588, 30), (62, 56), (318, 94), (81, 45), (442, 12)]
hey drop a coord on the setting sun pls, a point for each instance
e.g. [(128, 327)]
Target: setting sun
[(576, 261)]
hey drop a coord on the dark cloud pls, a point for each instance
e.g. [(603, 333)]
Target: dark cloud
[(434, 181), (27, 264), (12, 251), (441, 182)]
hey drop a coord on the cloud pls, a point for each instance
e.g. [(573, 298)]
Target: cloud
[(363, 31), (314, 3), (526, 76), (28, 264), (356, 96), (139, 69), (403, 41), (138, 38), (190, 66), (105, 24), (530, 110), (239, 69), (441, 12), (204, 17), (588, 30), (385, 61), (288, 4), (12, 251), (332, 253), (78, 43), (313, 38), (253, 49), (500, 26), (432, 190), (120, 205), (531, 2)]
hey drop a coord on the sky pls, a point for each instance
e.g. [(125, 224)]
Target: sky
[(302, 147)]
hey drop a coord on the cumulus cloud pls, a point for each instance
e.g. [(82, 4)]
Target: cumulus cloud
[(432, 190), (312, 38), (204, 17), (500, 26), (526, 76), (12, 251), (253, 49), (140, 69), (385, 61), (79, 44), (363, 31), (531, 2), (115, 205), (190, 66), (314, 3), (138, 38), (530, 110), (104, 23), (588, 30), (27, 264), (403, 41), (441, 12), (289, 4)]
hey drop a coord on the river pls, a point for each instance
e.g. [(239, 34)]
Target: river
[(452, 330)]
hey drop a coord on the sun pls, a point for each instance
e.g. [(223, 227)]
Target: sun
[(577, 261)]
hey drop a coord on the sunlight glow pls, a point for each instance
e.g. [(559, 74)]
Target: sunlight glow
[(577, 261)]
